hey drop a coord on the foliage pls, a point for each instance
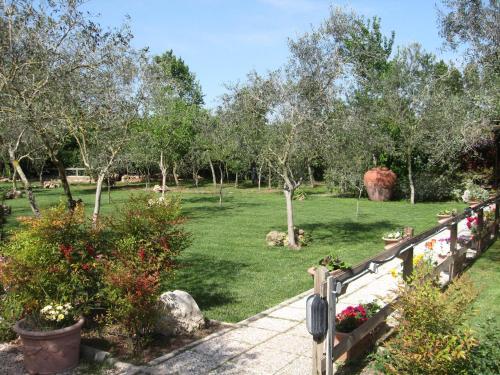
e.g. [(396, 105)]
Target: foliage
[(474, 192), (51, 317), (393, 235), (447, 212), (430, 337), (485, 356), (57, 257), (333, 262), (147, 238), (353, 316)]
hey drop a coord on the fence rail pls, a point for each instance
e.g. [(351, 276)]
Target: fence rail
[(330, 286)]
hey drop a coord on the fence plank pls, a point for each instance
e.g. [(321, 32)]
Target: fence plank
[(318, 348)]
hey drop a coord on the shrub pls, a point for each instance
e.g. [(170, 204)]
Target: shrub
[(485, 357), (57, 257), (430, 337), (333, 262), (147, 238)]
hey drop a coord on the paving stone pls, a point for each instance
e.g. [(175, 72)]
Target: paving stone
[(290, 313), (301, 303), (273, 324), (252, 335), (262, 361), (299, 366), (186, 363), (299, 330), (231, 368), (289, 344), (221, 349)]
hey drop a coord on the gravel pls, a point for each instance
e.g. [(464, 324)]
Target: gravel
[(11, 363)]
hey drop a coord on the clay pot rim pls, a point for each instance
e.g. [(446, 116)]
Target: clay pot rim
[(43, 334), (392, 239)]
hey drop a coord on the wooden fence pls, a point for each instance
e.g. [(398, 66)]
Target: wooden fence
[(330, 286)]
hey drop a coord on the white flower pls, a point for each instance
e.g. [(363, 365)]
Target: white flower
[(60, 317)]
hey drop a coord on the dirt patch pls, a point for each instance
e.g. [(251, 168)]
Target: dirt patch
[(120, 347)]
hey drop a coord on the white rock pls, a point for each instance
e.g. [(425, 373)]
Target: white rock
[(178, 313)]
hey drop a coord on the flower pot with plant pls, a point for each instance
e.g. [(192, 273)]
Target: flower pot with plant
[(444, 215), (347, 321), (332, 262), (392, 238), (50, 339), (474, 194)]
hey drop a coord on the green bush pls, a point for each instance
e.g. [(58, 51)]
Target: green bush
[(147, 238), (55, 258), (430, 337), (485, 357)]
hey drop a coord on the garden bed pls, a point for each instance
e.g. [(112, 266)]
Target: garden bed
[(110, 340)]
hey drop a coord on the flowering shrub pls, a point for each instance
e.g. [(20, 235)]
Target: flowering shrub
[(57, 257), (147, 237), (430, 337), (353, 316)]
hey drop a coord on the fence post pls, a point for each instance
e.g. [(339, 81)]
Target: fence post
[(318, 349), (408, 264), (480, 229), (456, 265), (495, 230)]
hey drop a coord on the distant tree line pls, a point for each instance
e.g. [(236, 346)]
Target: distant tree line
[(72, 92)]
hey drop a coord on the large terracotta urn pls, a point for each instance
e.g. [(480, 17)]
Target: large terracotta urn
[(379, 183), (50, 352)]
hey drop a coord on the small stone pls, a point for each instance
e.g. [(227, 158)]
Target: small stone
[(275, 238)]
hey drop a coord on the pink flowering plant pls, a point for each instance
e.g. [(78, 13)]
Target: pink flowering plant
[(353, 316)]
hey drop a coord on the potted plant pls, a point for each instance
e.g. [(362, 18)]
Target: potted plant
[(444, 215), (347, 321), (474, 194), (50, 339), (392, 238), (332, 262)]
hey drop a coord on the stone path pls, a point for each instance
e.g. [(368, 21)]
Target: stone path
[(276, 341)]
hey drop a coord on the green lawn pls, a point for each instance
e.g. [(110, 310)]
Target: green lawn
[(485, 273), (231, 272)]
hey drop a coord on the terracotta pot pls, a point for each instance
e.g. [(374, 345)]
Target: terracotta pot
[(357, 350), (443, 218), (390, 242), (51, 351), (473, 203), (379, 183)]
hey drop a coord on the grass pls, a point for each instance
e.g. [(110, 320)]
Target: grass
[(485, 273), (229, 269)]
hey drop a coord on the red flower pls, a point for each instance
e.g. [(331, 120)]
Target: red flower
[(90, 250), (141, 253), (66, 251), (85, 266)]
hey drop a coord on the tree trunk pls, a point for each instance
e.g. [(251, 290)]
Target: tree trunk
[(227, 172), (40, 174), (148, 174), (221, 184), (410, 180), (26, 183), (357, 203), (97, 201), (14, 180), (311, 175), (195, 177), (174, 172), (64, 181), (163, 170), (288, 191), (259, 177), (270, 175), (236, 180), (109, 189), (214, 178)]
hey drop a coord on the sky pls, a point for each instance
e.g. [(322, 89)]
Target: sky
[(223, 40)]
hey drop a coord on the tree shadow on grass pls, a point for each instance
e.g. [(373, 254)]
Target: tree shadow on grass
[(211, 208), (347, 230), (207, 279)]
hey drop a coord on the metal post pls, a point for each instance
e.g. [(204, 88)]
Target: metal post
[(330, 336)]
